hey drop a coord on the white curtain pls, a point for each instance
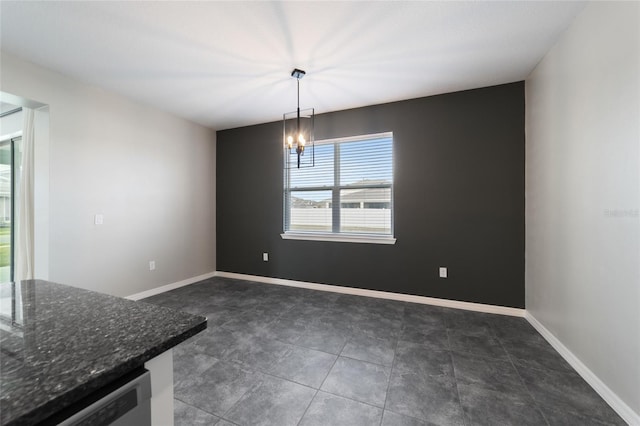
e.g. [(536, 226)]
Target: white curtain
[(25, 224)]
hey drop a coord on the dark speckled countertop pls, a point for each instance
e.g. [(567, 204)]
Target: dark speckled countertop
[(60, 343)]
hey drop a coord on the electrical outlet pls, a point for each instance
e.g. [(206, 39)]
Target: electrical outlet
[(265, 257), (152, 265), (443, 272)]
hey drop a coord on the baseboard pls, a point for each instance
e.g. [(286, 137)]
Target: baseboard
[(618, 405), (171, 286), (477, 307)]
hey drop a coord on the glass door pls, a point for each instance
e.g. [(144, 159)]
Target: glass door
[(9, 158)]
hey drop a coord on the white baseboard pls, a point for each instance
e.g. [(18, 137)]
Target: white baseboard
[(477, 307), (171, 286), (618, 405)]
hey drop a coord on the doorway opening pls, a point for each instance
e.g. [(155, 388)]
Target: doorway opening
[(10, 160)]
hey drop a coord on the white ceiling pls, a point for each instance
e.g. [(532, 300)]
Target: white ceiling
[(227, 64)]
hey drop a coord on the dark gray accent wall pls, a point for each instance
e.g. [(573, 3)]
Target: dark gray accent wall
[(458, 199)]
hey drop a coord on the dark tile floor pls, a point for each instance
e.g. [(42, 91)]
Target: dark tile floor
[(275, 355)]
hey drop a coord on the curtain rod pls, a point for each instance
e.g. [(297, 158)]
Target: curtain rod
[(13, 111)]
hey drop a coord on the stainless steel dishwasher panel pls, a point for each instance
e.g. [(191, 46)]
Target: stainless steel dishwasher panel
[(129, 404)]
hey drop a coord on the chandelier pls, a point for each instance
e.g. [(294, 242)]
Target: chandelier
[(298, 133)]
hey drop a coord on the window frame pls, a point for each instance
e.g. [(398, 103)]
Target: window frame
[(14, 142), (335, 234)]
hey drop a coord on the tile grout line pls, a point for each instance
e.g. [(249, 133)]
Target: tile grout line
[(537, 405), (308, 405), (196, 407), (318, 390), (393, 361), (466, 418), (368, 362), (324, 380), (245, 367), (228, 421), (351, 399)]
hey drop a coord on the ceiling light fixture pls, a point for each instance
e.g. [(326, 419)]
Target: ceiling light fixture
[(298, 133)]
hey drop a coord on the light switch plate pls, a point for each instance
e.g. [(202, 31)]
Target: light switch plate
[(265, 257), (98, 219), (443, 272)]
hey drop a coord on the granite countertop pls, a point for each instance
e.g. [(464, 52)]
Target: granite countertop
[(60, 343)]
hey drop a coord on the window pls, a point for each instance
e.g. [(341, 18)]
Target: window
[(346, 196)]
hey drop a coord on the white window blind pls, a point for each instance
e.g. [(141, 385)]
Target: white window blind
[(348, 191)]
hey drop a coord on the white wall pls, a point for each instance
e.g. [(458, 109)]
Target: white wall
[(582, 195), (151, 175)]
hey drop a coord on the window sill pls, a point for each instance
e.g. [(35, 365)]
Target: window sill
[(340, 238)]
